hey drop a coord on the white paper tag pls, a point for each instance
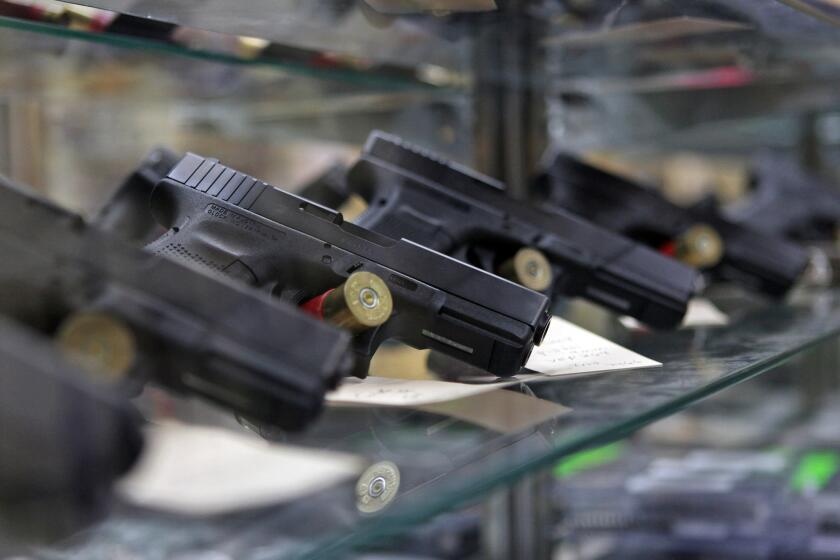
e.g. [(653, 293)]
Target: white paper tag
[(202, 471), (703, 313), (480, 404), (385, 391), (569, 349)]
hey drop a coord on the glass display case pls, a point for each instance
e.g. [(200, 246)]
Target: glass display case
[(679, 95)]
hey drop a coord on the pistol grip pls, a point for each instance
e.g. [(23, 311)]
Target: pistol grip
[(191, 244)]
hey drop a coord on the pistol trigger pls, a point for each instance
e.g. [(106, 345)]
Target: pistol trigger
[(240, 271)]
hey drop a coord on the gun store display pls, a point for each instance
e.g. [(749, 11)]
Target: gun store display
[(419, 279)]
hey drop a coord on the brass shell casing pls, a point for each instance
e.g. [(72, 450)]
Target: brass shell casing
[(699, 246), (530, 268), (102, 343), (377, 487), (360, 303)]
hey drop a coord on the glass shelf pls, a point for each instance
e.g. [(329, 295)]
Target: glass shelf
[(615, 75), (349, 27), (445, 463), (419, 67), (674, 45)]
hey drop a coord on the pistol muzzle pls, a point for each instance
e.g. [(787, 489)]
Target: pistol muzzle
[(542, 328)]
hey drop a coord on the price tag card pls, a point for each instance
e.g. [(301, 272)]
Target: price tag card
[(200, 470), (569, 349)]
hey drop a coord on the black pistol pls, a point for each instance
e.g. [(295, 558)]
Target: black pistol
[(376, 287), (65, 441), (788, 202), (698, 235), (454, 210), (131, 315), (125, 213)]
